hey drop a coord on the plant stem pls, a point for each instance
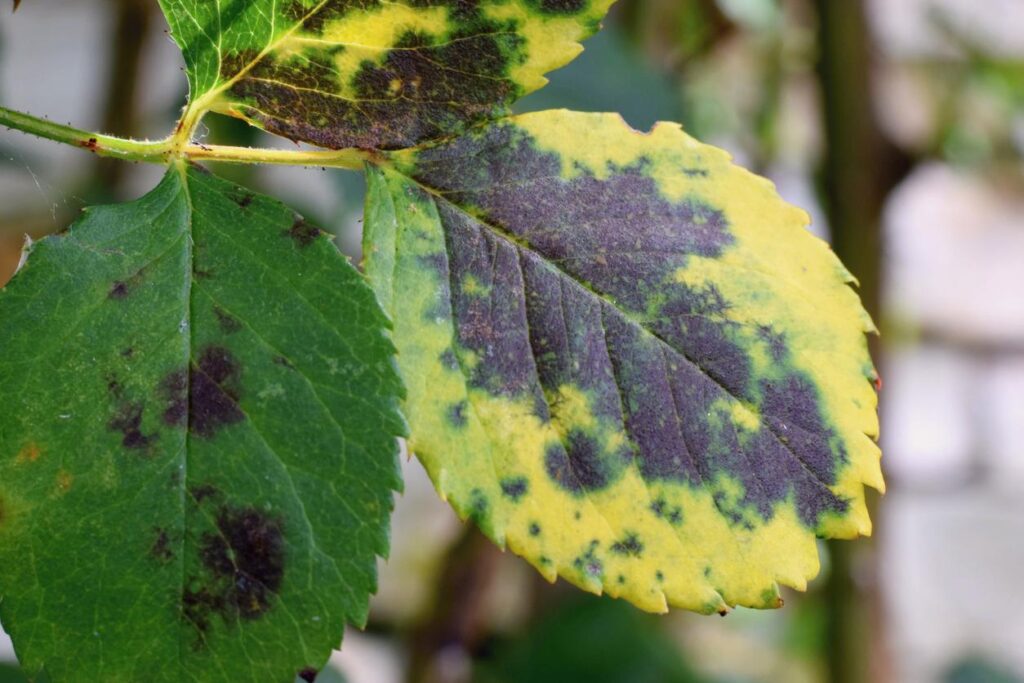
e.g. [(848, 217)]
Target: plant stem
[(163, 151), (352, 159), (103, 145)]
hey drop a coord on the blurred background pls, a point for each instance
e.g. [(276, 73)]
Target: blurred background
[(898, 123)]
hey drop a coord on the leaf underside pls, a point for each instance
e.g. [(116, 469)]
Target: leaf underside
[(381, 74), (626, 358), (167, 512)]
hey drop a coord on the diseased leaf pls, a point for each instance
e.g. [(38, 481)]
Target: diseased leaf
[(626, 358), (379, 74), (197, 447)]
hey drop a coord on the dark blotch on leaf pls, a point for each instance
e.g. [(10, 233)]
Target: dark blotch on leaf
[(227, 323), (515, 487), (174, 388), (561, 6), (119, 290), (128, 422), (630, 545), (203, 491), (207, 396), (308, 675), (303, 233), (478, 506), (534, 529), (161, 550), (457, 414), (450, 360), (245, 562), (588, 562), (578, 466), (662, 510)]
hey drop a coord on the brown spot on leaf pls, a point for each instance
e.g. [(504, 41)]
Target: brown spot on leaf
[(244, 200), (64, 481), (91, 144), (303, 233), (29, 453)]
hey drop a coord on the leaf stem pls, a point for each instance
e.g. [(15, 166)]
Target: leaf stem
[(164, 151), (103, 145), (353, 159)]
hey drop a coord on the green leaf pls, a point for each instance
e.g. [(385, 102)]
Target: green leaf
[(626, 358), (197, 450), (374, 74)]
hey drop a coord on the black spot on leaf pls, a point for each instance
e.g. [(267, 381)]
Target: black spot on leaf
[(561, 6), (515, 487), (127, 421), (227, 323), (457, 414), (578, 466), (174, 388), (119, 290), (479, 505), (308, 675), (534, 529), (202, 492), (450, 360), (244, 561), (630, 545), (206, 397), (588, 562), (303, 233), (161, 550)]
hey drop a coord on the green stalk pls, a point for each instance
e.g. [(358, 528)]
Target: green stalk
[(103, 145), (164, 151)]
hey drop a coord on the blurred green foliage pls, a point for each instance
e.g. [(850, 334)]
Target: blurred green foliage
[(593, 640)]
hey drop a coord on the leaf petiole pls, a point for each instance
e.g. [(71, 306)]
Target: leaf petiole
[(164, 151)]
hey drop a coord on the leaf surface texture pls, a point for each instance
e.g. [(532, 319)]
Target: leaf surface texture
[(197, 450), (626, 358), (378, 74)]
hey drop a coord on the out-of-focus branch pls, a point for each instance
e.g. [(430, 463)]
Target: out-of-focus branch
[(132, 23), (444, 642), (858, 171)]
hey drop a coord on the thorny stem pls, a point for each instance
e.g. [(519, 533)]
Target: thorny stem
[(177, 146)]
